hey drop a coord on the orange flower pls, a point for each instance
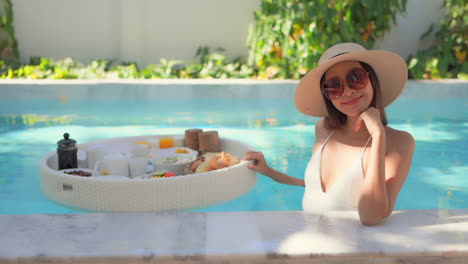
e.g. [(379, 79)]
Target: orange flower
[(370, 27), (461, 56), (272, 49), (365, 36), (279, 53)]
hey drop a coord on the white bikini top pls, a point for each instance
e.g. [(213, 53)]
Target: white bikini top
[(345, 192)]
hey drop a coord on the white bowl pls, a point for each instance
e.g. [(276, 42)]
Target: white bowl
[(173, 162)]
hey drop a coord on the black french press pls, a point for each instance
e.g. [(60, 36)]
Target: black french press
[(67, 153)]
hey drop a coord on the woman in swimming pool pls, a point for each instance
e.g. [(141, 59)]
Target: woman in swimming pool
[(358, 162)]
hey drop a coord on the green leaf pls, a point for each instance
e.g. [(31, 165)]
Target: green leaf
[(286, 28), (462, 76), (428, 32), (412, 63)]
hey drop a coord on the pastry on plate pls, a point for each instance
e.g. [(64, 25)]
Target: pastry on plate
[(216, 161)]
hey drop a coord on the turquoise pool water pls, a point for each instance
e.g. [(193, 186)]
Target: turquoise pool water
[(29, 128)]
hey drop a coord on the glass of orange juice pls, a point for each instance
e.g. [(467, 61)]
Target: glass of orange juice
[(166, 142)]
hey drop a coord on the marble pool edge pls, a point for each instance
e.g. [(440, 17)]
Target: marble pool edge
[(415, 236)]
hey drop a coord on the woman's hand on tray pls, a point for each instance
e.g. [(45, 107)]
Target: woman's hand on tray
[(259, 163)]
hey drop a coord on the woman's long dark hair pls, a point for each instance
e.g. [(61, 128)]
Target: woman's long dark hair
[(336, 119)]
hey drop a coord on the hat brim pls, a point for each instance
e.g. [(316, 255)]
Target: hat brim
[(389, 67)]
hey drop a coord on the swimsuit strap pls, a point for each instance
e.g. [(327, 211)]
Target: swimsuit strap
[(328, 138)]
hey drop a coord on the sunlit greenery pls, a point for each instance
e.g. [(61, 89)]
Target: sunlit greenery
[(447, 58), (9, 56), (212, 64), (290, 35), (285, 42)]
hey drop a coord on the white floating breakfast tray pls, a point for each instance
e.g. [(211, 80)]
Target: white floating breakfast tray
[(174, 193)]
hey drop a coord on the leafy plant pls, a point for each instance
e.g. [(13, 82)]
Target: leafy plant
[(289, 35), (43, 68), (125, 71), (166, 70), (8, 44), (66, 69), (97, 69), (447, 58), (214, 65)]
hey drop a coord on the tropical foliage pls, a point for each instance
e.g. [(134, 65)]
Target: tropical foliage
[(285, 41), (290, 35), (8, 44), (447, 58)]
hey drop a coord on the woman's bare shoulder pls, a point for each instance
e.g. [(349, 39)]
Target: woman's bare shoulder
[(320, 134), (321, 130), (399, 140)]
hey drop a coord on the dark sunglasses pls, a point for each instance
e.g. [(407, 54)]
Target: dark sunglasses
[(356, 78)]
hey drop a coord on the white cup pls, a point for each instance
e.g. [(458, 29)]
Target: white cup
[(82, 159), (114, 164), (93, 154), (137, 166), (153, 143), (139, 150)]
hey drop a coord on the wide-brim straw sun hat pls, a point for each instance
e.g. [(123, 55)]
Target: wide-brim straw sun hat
[(390, 68)]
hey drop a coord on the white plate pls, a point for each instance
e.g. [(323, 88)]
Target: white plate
[(172, 151)]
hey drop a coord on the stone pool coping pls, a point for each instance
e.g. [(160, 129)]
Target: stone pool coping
[(414, 236)]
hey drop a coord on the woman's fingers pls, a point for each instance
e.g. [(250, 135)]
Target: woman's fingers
[(371, 119), (258, 159), (253, 155)]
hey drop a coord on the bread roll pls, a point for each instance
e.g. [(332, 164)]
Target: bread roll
[(216, 161)]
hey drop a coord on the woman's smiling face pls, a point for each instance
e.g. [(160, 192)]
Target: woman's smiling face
[(353, 101)]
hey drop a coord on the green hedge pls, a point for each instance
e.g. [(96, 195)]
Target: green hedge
[(212, 64)]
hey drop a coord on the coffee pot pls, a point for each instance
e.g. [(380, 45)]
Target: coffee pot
[(67, 153)]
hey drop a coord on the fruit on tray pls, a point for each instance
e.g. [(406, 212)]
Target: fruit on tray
[(162, 174), (166, 142), (181, 151)]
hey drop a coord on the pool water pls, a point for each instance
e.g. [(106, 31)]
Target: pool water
[(30, 128)]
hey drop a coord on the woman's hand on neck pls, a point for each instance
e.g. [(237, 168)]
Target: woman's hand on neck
[(367, 122)]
